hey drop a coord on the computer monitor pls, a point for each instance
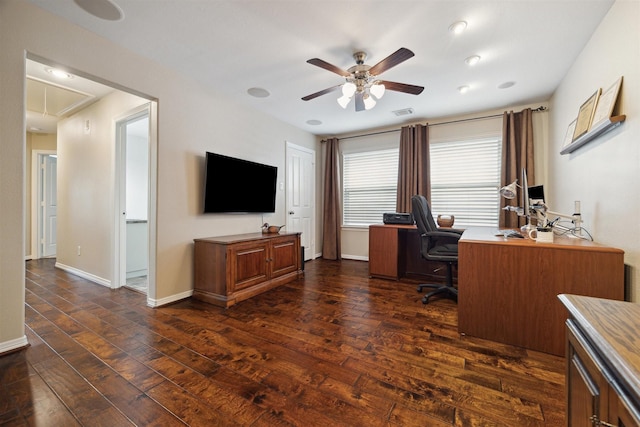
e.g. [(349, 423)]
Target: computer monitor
[(536, 195)]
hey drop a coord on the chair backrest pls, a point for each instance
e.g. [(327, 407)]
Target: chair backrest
[(422, 214)]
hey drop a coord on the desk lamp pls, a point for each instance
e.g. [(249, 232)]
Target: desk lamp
[(509, 192)]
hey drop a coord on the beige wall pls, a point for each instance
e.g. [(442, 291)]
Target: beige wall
[(86, 180), (191, 120), (35, 141), (603, 174)]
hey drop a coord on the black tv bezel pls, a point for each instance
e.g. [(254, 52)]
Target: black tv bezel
[(209, 190)]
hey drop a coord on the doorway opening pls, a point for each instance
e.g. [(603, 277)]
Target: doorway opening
[(88, 239), (132, 171)]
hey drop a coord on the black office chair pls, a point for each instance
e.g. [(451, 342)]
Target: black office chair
[(436, 244)]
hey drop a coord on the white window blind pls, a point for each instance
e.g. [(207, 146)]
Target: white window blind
[(369, 186), (465, 179)]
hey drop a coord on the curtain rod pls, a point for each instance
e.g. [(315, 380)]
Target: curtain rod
[(541, 108)]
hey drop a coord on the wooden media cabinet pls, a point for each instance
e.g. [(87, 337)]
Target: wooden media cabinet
[(230, 269)]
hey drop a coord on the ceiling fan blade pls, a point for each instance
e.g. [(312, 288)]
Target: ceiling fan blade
[(392, 60), (320, 93), (359, 96), (330, 67), (402, 87)]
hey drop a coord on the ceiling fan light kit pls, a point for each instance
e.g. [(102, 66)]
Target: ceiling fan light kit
[(369, 102), (361, 80), (377, 89)]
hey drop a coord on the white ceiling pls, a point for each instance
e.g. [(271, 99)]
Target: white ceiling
[(233, 45), (50, 98)]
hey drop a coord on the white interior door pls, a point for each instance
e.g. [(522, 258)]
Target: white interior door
[(49, 205), (300, 196), (132, 201)]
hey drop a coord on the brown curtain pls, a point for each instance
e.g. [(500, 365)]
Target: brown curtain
[(331, 201), (517, 154), (413, 167)]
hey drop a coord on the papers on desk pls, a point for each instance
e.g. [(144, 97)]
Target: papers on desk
[(509, 233)]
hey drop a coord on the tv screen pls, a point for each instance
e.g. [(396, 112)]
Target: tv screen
[(236, 185)]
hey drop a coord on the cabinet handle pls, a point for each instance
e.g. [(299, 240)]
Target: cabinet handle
[(598, 422)]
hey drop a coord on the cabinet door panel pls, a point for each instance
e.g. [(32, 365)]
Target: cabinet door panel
[(249, 265), (586, 384), (584, 396), (284, 256)]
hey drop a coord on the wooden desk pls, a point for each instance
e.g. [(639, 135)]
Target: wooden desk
[(508, 288), (394, 253), (386, 242)]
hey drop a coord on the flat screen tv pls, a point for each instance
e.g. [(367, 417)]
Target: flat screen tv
[(234, 185)]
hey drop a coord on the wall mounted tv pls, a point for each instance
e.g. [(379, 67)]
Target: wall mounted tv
[(234, 185)]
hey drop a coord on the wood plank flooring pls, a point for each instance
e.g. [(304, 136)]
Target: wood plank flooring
[(333, 349)]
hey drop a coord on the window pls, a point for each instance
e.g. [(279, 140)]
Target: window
[(465, 180), (369, 186)]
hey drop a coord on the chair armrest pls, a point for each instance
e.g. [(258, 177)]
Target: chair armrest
[(451, 233), (455, 230), (442, 237)]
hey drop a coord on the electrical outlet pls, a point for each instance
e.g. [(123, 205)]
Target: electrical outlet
[(79, 250)]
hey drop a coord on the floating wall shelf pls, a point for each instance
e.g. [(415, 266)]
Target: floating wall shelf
[(601, 129)]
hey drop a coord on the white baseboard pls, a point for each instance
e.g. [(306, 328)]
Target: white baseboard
[(13, 344), (355, 257), (104, 282), (91, 277), (168, 300)]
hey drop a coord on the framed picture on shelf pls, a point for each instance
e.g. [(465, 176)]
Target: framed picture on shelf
[(583, 122), (606, 103), (568, 137)]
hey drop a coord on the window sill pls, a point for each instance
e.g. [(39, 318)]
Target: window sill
[(361, 228)]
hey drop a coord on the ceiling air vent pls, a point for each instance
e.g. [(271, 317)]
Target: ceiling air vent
[(403, 112)]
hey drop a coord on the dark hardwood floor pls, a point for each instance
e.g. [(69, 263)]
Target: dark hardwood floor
[(333, 349)]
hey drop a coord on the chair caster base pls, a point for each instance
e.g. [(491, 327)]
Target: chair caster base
[(446, 291)]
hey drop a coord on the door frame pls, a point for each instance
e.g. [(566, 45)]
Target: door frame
[(119, 260), (36, 192)]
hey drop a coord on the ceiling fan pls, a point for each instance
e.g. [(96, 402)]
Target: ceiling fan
[(362, 80)]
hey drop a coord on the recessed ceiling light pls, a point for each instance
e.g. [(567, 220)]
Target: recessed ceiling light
[(472, 60), (314, 122), (458, 27), (463, 89), (258, 92), (61, 74), (506, 85), (103, 9)]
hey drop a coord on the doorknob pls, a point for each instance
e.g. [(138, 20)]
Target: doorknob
[(291, 212)]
